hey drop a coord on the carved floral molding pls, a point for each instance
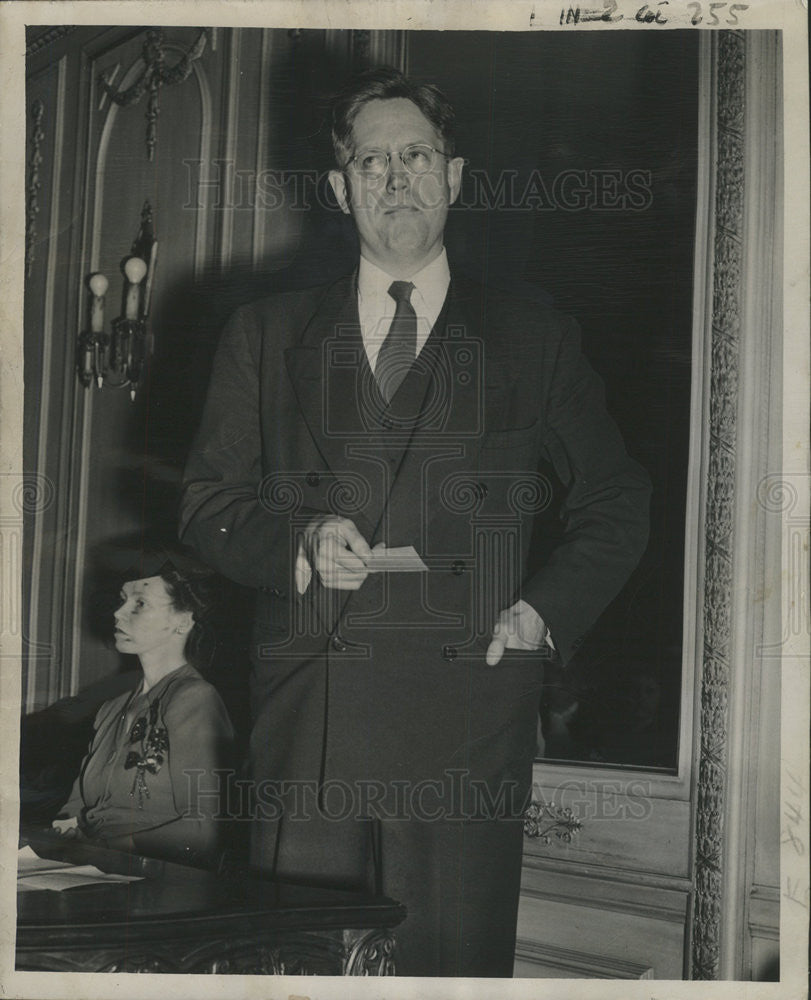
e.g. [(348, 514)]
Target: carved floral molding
[(728, 253), (545, 820), (156, 74), (33, 184)]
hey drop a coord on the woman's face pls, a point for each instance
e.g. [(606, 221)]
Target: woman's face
[(146, 621)]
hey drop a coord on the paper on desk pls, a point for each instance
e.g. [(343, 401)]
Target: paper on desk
[(28, 861), (34, 872), (401, 560)]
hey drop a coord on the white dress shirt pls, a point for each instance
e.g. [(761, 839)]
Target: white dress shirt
[(376, 307)]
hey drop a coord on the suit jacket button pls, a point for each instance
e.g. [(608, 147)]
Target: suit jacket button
[(388, 423), (313, 479), (449, 653), (338, 644), (458, 567)]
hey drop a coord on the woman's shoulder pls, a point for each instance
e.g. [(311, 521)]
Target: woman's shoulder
[(189, 693)]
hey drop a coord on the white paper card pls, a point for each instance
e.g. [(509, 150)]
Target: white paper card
[(397, 560)]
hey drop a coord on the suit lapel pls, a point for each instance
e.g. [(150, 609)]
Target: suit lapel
[(324, 369)]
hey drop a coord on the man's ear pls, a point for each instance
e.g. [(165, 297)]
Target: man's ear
[(455, 177), (337, 180)]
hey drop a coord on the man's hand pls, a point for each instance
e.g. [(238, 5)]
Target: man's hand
[(518, 627), (337, 551)]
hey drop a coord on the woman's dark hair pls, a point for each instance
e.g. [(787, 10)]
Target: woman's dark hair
[(194, 588), (383, 84)]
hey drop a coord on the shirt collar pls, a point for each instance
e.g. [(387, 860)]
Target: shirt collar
[(431, 282)]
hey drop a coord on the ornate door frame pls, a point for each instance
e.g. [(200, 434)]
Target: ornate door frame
[(738, 303)]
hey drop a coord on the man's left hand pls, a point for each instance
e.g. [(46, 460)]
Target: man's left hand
[(518, 627)]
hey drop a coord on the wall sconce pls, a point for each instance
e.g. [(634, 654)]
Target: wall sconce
[(117, 359)]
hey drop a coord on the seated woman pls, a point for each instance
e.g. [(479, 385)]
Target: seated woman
[(149, 781)]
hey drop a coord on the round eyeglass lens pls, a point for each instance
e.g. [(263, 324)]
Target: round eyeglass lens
[(418, 158), (373, 162)]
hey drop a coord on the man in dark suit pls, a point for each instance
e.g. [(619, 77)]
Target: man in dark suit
[(400, 407)]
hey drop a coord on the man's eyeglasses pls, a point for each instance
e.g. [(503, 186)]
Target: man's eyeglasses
[(419, 158)]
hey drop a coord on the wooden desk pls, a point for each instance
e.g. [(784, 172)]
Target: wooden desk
[(184, 920)]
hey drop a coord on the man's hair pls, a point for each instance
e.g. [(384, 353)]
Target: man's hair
[(383, 84)]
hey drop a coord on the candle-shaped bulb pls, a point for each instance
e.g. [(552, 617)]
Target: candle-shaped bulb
[(98, 286), (135, 269)]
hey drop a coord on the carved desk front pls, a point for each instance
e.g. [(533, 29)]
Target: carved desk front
[(184, 920)]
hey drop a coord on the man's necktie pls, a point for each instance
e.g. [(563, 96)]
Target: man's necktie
[(399, 349)]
